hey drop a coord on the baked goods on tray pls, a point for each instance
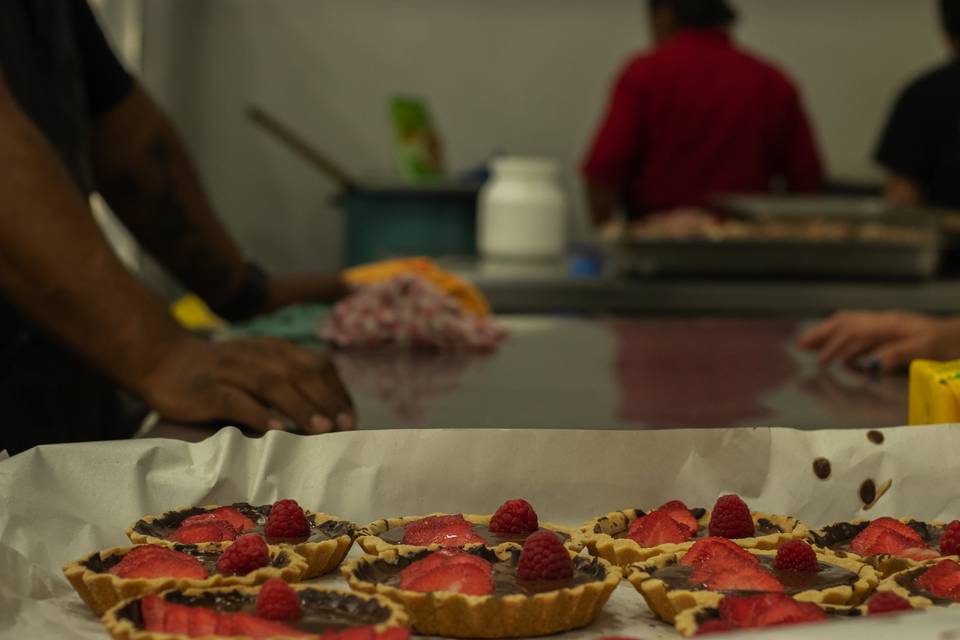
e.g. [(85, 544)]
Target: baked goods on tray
[(323, 540), (479, 592), (513, 522), (634, 535)]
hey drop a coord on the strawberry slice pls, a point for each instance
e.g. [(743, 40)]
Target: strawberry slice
[(681, 513), (230, 515), (899, 527), (176, 619), (942, 580), (920, 554), (714, 626), (789, 612), (438, 559), (202, 622), (658, 528), (152, 608), (395, 633), (717, 550), (879, 539), (456, 578), (750, 612), (356, 633), (154, 561), (744, 578), (447, 531), (243, 624), (212, 531)]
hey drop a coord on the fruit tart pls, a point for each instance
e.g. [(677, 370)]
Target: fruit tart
[(513, 522), (935, 583), (713, 567), (633, 535), (106, 577), (276, 610), (889, 545), (756, 611), (323, 540), (480, 592)]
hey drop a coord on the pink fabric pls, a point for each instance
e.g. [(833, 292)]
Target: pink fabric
[(411, 313)]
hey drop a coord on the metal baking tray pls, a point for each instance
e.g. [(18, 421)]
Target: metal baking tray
[(873, 261), (823, 207)]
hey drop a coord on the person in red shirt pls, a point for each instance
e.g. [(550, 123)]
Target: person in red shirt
[(697, 117)]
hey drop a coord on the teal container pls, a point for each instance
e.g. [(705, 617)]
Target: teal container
[(400, 221)]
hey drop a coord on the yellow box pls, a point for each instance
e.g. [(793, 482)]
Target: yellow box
[(934, 392)]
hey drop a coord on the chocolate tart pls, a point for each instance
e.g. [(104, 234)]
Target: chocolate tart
[(606, 536), (903, 583), (688, 622), (329, 541), (100, 589), (324, 609), (834, 539), (515, 609), (665, 584), (385, 534)]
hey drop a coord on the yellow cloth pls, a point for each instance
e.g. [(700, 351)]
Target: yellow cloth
[(469, 297), (192, 313), (934, 392)]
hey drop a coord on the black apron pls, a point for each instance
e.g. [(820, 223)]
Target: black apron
[(47, 394)]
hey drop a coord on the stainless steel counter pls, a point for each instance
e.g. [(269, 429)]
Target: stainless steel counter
[(566, 372), (513, 288)]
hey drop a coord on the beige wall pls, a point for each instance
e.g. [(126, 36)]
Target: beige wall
[(524, 76)]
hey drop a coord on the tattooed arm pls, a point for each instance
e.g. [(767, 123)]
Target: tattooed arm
[(143, 172)]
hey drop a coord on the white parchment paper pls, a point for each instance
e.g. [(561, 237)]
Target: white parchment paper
[(58, 503)]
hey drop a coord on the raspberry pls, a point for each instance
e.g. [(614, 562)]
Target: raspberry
[(278, 601), (887, 602), (247, 554), (950, 542), (514, 516), (797, 556), (287, 520), (731, 519), (544, 558)]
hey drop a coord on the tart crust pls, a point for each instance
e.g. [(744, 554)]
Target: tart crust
[(493, 616), (369, 536), (885, 563), (322, 557), (122, 629), (669, 603), (598, 536), (100, 591)]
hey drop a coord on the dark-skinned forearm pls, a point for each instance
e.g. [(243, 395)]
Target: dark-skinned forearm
[(144, 173), (57, 268)]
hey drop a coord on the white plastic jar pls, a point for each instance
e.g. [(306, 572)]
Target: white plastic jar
[(522, 210)]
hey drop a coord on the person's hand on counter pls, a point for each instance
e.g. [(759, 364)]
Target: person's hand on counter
[(266, 384), (883, 341)]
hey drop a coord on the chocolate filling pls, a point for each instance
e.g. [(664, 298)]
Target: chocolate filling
[(875, 437), (394, 535), (322, 610), (207, 558), (838, 536), (319, 531), (908, 580), (677, 576), (505, 581)]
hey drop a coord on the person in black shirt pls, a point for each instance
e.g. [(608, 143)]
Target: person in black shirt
[(920, 146), (74, 323), (921, 150)]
